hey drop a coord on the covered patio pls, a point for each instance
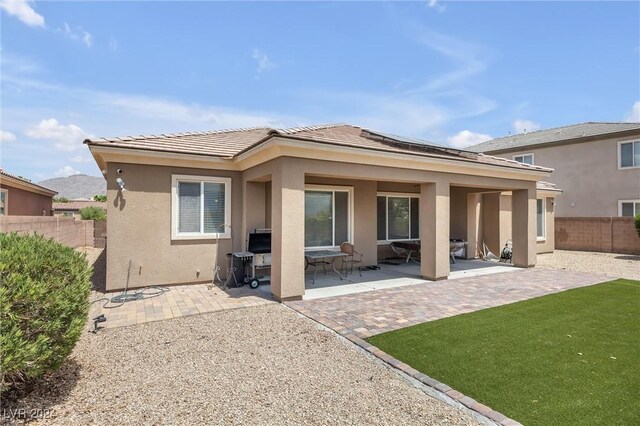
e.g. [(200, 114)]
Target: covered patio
[(318, 203), (388, 276)]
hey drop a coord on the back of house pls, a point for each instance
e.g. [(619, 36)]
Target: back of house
[(597, 165)]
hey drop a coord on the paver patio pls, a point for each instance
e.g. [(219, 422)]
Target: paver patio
[(180, 301), (379, 311)]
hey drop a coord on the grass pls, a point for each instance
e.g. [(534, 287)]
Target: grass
[(566, 358)]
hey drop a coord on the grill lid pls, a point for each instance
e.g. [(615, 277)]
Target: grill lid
[(259, 242)]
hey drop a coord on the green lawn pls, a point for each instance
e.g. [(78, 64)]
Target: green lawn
[(563, 359)]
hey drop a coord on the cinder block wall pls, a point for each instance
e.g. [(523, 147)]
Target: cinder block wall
[(600, 234), (68, 231)]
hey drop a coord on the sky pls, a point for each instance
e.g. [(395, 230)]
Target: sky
[(454, 73)]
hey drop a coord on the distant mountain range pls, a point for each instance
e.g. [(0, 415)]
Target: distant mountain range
[(77, 186)]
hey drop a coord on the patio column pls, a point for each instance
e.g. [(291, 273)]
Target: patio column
[(434, 230), (254, 201), (473, 224), (287, 226), (524, 227)]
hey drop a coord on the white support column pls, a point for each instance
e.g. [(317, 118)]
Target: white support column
[(434, 230), (524, 227), (287, 225), (473, 224)]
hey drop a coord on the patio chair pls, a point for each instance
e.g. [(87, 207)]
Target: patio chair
[(351, 257)]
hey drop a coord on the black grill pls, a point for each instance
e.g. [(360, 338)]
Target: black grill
[(259, 242)]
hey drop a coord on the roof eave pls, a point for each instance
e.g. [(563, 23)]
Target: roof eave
[(570, 141)]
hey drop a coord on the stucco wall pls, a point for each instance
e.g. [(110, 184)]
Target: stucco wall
[(140, 229), (140, 218), (497, 226), (25, 203), (589, 176)]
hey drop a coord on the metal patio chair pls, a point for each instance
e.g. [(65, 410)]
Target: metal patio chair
[(352, 257)]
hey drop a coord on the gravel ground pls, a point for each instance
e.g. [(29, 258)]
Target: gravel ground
[(611, 264), (262, 365)]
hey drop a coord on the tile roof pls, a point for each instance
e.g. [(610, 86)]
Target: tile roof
[(557, 134), (231, 143), (26, 182), (547, 186)]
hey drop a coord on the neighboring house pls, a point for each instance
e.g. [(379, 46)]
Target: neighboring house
[(596, 164), (73, 207), (19, 197), (315, 187)]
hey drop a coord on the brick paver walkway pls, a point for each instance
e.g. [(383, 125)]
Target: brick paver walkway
[(182, 301), (375, 312)]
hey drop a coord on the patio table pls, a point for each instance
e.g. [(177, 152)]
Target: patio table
[(456, 248), (409, 247), (323, 257)]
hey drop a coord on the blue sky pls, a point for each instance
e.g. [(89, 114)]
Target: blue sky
[(450, 72)]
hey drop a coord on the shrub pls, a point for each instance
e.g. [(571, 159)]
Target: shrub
[(60, 200), (44, 290), (637, 219), (93, 213)]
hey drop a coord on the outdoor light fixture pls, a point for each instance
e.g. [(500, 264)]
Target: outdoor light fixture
[(97, 320), (120, 182)]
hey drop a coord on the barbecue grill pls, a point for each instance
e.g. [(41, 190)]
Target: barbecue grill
[(259, 243)]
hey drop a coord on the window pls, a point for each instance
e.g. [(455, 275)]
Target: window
[(200, 204), (67, 214), (4, 201), (540, 218), (524, 158), (628, 154), (327, 216), (629, 207), (398, 217)]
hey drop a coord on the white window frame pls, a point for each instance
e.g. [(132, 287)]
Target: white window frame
[(386, 213), (620, 143), (543, 237), (175, 235), (620, 202), (350, 222), (6, 200), (533, 157)]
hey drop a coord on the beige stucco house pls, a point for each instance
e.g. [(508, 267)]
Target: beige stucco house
[(596, 164), (20, 197), (314, 187), (72, 208)]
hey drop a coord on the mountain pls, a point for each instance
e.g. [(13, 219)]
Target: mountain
[(77, 186)]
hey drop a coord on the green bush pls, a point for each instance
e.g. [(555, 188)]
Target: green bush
[(93, 213), (44, 291), (637, 218)]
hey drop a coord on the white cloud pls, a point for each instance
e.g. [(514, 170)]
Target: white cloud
[(524, 126), (6, 136), (262, 60), (77, 34), (113, 44), (467, 138), (66, 137), (467, 59), (634, 114), (66, 171), (23, 11), (435, 4)]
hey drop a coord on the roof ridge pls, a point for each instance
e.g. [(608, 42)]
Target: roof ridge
[(182, 134), (562, 127), (294, 130)]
